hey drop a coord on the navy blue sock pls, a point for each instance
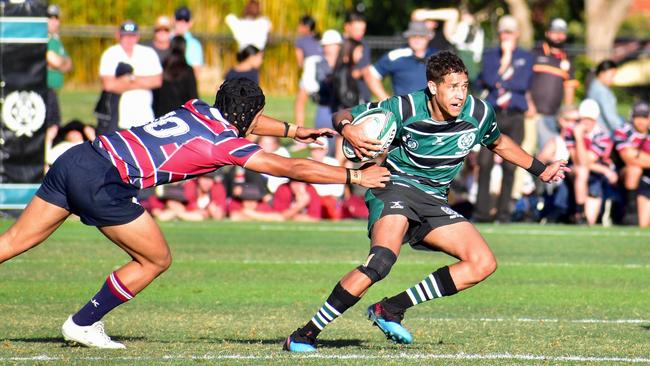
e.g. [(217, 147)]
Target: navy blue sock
[(111, 295)]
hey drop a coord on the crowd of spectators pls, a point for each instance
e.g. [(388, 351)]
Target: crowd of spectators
[(533, 93)]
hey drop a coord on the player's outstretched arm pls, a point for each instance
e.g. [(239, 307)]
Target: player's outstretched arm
[(269, 126), (363, 145), (512, 152), (304, 170)]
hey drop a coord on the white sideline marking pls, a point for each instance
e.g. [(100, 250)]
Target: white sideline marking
[(489, 230), (400, 356), (538, 320)]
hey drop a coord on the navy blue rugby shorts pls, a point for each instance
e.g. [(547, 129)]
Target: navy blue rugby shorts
[(88, 185)]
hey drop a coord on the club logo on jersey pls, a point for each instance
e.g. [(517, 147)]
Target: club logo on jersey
[(452, 214), (410, 143), (396, 204), (466, 141), (23, 112)]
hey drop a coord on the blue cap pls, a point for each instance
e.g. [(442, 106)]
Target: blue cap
[(183, 13), (128, 27)]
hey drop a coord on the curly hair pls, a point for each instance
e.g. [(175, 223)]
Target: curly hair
[(444, 63), (239, 100)]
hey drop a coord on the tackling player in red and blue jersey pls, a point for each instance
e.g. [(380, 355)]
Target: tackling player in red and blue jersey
[(99, 183)]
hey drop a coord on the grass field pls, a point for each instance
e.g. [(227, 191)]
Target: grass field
[(561, 295)]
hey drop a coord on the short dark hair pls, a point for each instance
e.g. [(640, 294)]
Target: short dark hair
[(354, 16), (308, 21), (605, 65), (239, 100), (247, 52), (443, 63)]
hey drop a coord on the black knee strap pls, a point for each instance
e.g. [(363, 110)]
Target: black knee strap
[(379, 262)]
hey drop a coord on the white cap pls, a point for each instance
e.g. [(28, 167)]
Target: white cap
[(589, 109), (507, 23), (558, 25), (331, 36)]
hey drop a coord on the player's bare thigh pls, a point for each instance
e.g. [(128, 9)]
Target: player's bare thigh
[(463, 241), (143, 240), (39, 219)]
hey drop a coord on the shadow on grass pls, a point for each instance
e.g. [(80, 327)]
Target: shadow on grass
[(645, 327), (64, 342), (333, 343)]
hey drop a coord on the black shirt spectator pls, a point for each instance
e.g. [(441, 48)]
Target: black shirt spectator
[(179, 82)]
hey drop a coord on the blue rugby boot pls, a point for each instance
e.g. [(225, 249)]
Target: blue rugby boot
[(389, 323), (298, 342)]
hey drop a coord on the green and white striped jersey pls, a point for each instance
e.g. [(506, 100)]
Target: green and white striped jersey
[(426, 153)]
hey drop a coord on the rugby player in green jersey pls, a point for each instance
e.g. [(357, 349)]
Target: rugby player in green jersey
[(437, 129)]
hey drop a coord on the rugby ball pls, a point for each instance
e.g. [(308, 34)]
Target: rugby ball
[(380, 124)]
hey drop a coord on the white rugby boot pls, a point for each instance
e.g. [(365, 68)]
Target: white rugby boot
[(90, 336)]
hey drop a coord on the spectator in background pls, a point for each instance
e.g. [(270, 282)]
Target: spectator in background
[(633, 146), (554, 80), (506, 73), (194, 50), (249, 60), (590, 148), (132, 71), (307, 46), (206, 199), (179, 83), (161, 37), (316, 76), (58, 63), (442, 25), (600, 91), (252, 28), (406, 66), (296, 201), (271, 144), (330, 194), (354, 27), (557, 195), (72, 133)]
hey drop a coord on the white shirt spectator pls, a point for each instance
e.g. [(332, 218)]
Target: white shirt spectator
[(135, 106), (248, 31)]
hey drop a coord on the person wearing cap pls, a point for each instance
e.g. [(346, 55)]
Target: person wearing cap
[(554, 81), (193, 50), (590, 148), (135, 106), (58, 63), (316, 71), (506, 73), (161, 37), (406, 66), (600, 91), (633, 146)]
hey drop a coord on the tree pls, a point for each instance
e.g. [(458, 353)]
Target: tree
[(603, 18)]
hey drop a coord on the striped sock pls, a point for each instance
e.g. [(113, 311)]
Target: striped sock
[(435, 285), (112, 294), (337, 303)]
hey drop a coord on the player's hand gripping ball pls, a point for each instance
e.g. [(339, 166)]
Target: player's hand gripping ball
[(379, 124)]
